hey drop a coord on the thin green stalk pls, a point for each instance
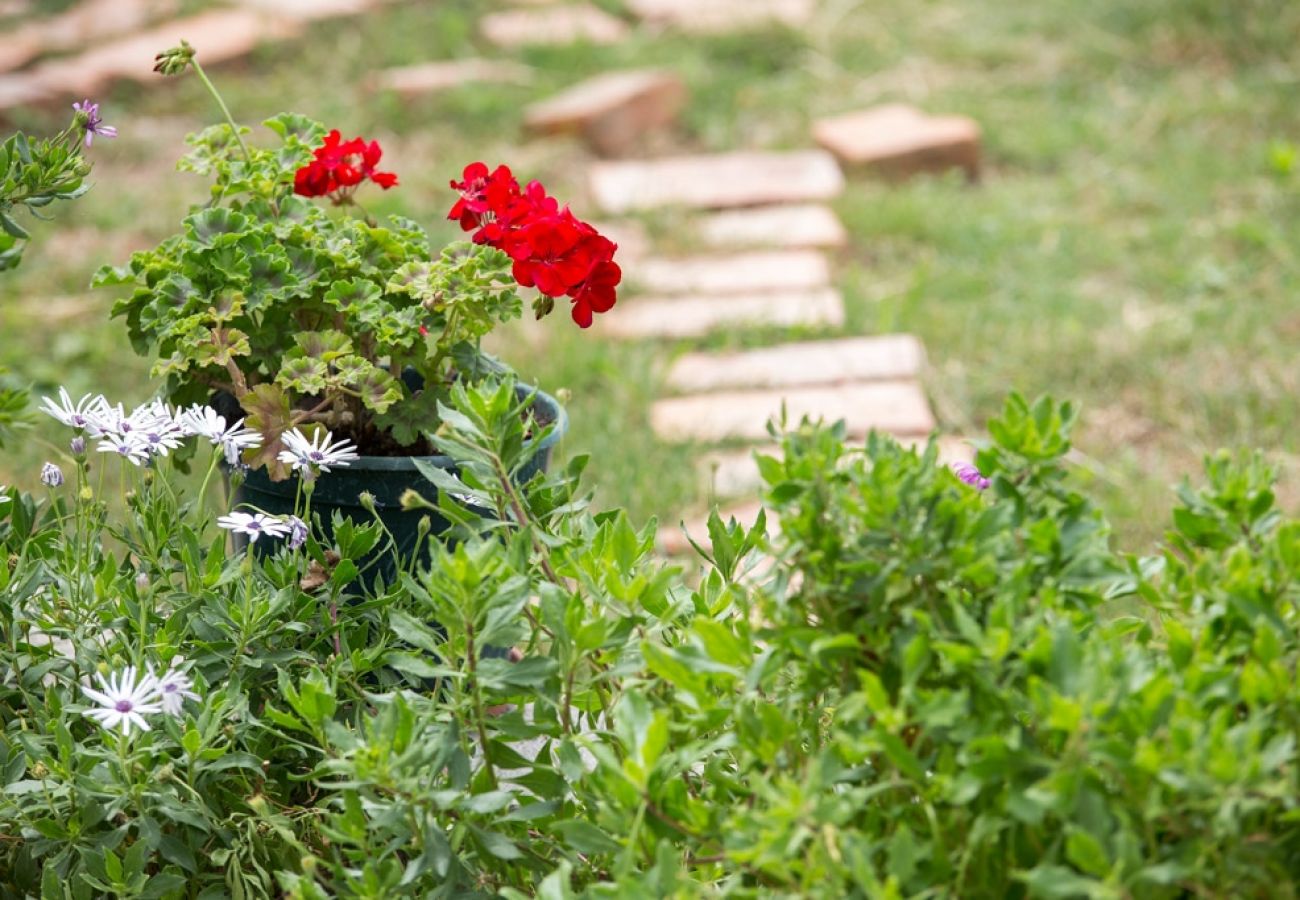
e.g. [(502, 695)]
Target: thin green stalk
[(225, 110)]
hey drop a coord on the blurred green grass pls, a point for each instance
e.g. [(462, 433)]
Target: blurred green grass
[(1129, 245)]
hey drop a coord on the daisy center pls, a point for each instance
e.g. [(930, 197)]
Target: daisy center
[(124, 706)]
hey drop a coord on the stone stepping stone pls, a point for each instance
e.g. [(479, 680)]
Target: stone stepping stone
[(716, 181), (696, 316), (612, 112), (898, 407), (411, 82), (553, 25), (309, 10), (886, 357), (721, 16), (787, 225), (901, 140), (85, 24), (221, 35), (734, 473), (738, 274)]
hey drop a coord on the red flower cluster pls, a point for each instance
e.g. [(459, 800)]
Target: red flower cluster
[(553, 250), (339, 167)]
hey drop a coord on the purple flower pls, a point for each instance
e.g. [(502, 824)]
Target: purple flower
[(970, 475), (297, 532), (88, 118)]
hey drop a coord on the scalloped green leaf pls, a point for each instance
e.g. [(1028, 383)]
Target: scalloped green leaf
[(304, 373)]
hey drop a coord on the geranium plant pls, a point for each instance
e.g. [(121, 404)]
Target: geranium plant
[(311, 312)]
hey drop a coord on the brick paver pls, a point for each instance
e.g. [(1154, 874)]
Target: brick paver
[(891, 356), (429, 78), (900, 140), (716, 181), (85, 24), (898, 407), (735, 274), (553, 25), (787, 225), (695, 316), (714, 16), (613, 112)]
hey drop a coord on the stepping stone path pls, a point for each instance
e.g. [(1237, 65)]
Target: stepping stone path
[(412, 82), (901, 140), (714, 16), (716, 181), (553, 25), (787, 225), (693, 315), (612, 112), (888, 357), (87, 23), (738, 274)]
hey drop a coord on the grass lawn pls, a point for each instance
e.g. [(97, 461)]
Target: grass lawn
[(1132, 244)]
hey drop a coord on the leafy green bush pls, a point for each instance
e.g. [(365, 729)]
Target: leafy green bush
[(910, 688)]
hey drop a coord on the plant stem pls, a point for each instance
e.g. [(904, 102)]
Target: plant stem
[(198, 70)]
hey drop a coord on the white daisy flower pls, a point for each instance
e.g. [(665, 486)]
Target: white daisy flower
[(254, 525), (205, 421), (83, 415), (124, 700), (174, 689), (4, 495), (318, 453), (159, 436), (126, 446)]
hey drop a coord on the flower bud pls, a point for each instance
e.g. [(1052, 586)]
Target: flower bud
[(142, 581), (40, 770), (175, 60), (78, 446), (367, 501), (51, 475), (411, 499), (87, 494)]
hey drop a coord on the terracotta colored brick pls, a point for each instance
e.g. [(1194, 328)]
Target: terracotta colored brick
[(738, 274), (431, 77), (888, 357), (901, 140), (85, 24), (553, 25), (788, 225), (898, 407), (693, 316), (309, 10), (723, 15), (220, 36), (716, 181), (734, 473), (613, 111)]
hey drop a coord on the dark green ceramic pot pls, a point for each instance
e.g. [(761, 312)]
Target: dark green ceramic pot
[(386, 478)]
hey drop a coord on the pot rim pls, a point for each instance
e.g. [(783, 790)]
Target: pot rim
[(559, 426)]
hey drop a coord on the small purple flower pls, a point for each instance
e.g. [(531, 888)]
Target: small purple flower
[(51, 475), (78, 446), (88, 118), (970, 475), (297, 532)]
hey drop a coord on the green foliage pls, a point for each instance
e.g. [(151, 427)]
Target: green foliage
[(911, 688), (273, 299), (33, 174)]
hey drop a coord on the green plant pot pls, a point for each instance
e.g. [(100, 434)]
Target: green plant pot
[(386, 478)]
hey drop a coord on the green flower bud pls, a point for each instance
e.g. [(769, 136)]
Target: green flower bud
[(174, 61)]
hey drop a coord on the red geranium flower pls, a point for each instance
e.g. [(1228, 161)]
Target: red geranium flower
[(338, 167), (552, 249)]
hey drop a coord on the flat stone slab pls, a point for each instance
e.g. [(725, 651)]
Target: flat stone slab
[(553, 25), (695, 316), (737, 274), (422, 79), (886, 357), (85, 24), (613, 111), (220, 35), (734, 473), (310, 10), (718, 16), (788, 226), (716, 181), (898, 407), (902, 140)]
